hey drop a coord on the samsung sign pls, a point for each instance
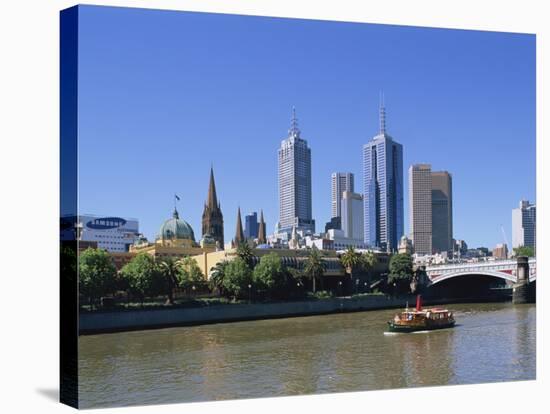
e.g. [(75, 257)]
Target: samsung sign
[(106, 223)]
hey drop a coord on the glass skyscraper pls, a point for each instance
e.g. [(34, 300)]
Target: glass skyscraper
[(295, 182), (383, 189)]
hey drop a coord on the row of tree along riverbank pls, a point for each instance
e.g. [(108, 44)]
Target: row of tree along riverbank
[(147, 279)]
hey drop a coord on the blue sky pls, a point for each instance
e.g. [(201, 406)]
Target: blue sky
[(163, 95)]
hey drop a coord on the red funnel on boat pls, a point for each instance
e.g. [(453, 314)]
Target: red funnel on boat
[(418, 303)]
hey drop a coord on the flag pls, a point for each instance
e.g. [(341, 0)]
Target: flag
[(177, 198)]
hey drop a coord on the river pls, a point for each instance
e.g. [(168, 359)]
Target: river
[(305, 355)]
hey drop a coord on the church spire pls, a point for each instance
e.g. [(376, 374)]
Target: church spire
[(382, 115), (239, 234), (261, 229), (212, 200)]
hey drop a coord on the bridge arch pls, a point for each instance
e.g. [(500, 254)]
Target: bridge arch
[(491, 273)]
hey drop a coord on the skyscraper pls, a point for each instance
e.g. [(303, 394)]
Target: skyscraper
[(295, 182), (383, 189), (442, 212), (420, 208), (524, 225), (212, 217), (340, 182), (352, 215), (251, 226)]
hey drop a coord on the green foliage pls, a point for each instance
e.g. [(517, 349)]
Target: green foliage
[(245, 253), (368, 261), (237, 278), (315, 266), (401, 267), (191, 274), (401, 272), (97, 273), (322, 294), (350, 260), (269, 274), (171, 271), (144, 277), (68, 261), (218, 274), (524, 251)]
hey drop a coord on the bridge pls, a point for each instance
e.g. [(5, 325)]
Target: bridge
[(506, 269)]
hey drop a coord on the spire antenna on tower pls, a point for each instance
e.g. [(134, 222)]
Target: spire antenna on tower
[(382, 114), (294, 130)]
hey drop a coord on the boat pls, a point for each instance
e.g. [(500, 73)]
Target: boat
[(419, 319)]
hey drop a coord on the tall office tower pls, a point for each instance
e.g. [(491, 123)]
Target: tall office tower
[(340, 182), (352, 215), (442, 212), (295, 182), (524, 225), (420, 207), (383, 189), (212, 217), (251, 226)]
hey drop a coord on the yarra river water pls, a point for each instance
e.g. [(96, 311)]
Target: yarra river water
[(306, 355)]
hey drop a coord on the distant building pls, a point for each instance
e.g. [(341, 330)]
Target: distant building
[(340, 182), (420, 208), (334, 223), (111, 233), (405, 246), (341, 242), (524, 228), (294, 165), (352, 215), (239, 233), (500, 251), (383, 189), (442, 212), (251, 226), (461, 247)]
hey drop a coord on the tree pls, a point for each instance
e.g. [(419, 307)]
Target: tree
[(524, 251), (401, 272), (217, 276), (144, 276), (237, 278), (97, 273), (270, 275), (191, 274), (245, 253), (315, 267), (368, 262), (171, 270), (350, 260)]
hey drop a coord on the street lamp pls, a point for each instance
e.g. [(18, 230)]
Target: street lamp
[(249, 293)]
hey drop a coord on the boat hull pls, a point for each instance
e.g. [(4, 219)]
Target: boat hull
[(393, 327)]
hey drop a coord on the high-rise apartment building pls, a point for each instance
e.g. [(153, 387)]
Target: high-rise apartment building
[(340, 182), (442, 212), (524, 225), (383, 189), (420, 208), (295, 208), (352, 215)]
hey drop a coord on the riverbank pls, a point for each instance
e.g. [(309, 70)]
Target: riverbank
[(141, 319)]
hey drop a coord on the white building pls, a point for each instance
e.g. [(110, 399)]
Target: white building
[(114, 234), (352, 215), (524, 225), (341, 242), (340, 182)]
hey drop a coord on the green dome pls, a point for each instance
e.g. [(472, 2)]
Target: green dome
[(176, 228)]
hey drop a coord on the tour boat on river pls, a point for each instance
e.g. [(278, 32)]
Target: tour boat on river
[(420, 319)]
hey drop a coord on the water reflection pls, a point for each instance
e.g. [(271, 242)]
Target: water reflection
[(331, 353)]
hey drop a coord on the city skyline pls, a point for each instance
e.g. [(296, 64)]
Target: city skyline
[(145, 137)]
